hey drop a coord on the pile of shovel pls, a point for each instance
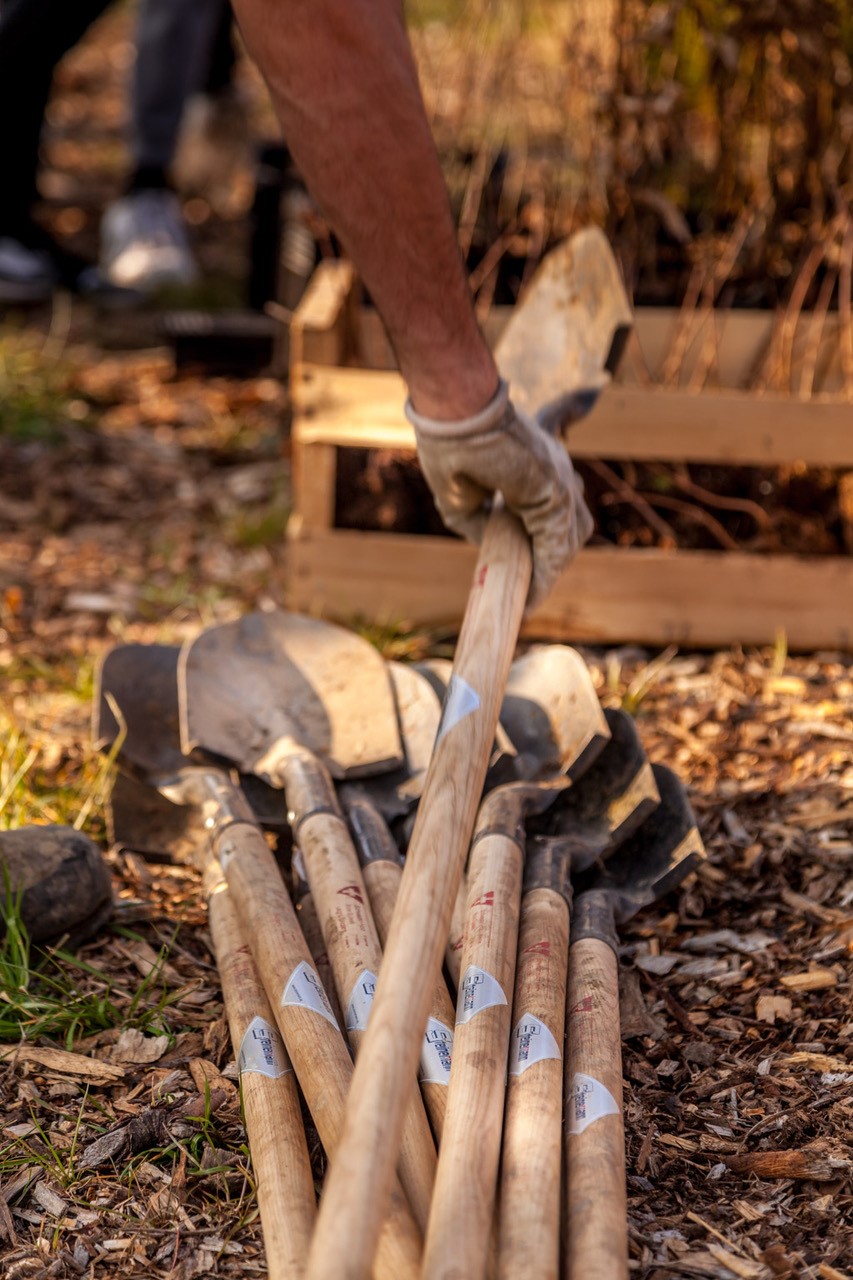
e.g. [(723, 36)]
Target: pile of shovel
[(290, 763)]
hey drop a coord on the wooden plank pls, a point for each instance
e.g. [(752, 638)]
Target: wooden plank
[(314, 474), (319, 330), (363, 408), (610, 595), (722, 349)]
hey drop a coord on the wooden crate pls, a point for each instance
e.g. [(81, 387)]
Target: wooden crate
[(701, 413)]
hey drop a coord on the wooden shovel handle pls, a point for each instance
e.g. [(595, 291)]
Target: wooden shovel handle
[(459, 1233), (355, 954), (361, 1171), (313, 1038), (383, 886), (529, 1212), (286, 1195), (309, 923), (456, 937), (595, 1211)]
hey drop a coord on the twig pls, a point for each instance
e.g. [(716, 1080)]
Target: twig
[(714, 281), (491, 258), (623, 492), (845, 290), (816, 329), (684, 325), (695, 513), (746, 505)]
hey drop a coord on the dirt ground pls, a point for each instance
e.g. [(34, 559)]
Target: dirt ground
[(141, 504)]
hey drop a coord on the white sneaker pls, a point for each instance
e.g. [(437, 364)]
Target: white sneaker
[(144, 243), (26, 275)]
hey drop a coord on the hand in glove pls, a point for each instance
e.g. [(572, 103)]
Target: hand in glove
[(500, 449)]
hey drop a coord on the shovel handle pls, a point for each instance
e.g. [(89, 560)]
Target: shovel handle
[(361, 1170), (383, 886), (596, 1209), (529, 1215), (311, 1033), (286, 1195), (459, 1233), (309, 923), (456, 939), (355, 953)]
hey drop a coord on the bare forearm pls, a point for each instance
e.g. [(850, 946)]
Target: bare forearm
[(344, 84)]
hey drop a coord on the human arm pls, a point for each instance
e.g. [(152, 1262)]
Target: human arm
[(344, 83)]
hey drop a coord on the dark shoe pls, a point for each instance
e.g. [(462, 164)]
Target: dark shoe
[(62, 879)]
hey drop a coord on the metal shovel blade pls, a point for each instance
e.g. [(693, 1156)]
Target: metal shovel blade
[(551, 713), (612, 799), (661, 852), (418, 705), (568, 331), (136, 703), (250, 687)]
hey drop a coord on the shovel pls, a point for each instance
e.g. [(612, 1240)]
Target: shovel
[(295, 701), (311, 1033), (140, 682), (585, 824), (654, 860)]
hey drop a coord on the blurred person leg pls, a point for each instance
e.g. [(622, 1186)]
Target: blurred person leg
[(34, 35), (144, 240), (216, 156)]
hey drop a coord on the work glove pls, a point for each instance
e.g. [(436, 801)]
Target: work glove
[(500, 449)]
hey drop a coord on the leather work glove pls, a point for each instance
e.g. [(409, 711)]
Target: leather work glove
[(500, 449)]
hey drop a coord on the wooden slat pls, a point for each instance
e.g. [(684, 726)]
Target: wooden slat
[(725, 349), (608, 596), (319, 331), (360, 408), (315, 469)]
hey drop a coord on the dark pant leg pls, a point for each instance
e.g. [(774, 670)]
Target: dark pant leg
[(34, 35)]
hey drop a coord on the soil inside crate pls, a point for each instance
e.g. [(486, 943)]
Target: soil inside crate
[(794, 510)]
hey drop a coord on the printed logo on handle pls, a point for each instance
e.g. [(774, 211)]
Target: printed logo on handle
[(262, 1050), (531, 1042), (588, 1102), (360, 1001), (436, 1053), (478, 990), (352, 891), (459, 701), (305, 989)]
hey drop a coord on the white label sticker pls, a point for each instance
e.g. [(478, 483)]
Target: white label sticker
[(305, 988), (589, 1101), (436, 1053), (262, 1050), (299, 865), (478, 990), (360, 1001), (531, 1042), (459, 701), (226, 850)]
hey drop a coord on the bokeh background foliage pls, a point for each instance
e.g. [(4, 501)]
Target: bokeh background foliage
[(702, 134)]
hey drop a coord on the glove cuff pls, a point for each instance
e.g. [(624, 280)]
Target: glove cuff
[(485, 420)]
